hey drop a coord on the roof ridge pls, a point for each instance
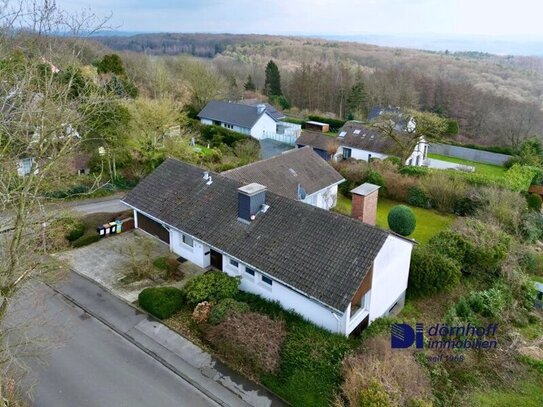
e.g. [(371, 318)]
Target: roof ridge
[(265, 160), (302, 204)]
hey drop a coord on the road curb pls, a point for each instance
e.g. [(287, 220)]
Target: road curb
[(146, 350)]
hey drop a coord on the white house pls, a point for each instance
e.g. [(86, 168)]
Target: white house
[(336, 271), (299, 174), (357, 140), (260, 121)]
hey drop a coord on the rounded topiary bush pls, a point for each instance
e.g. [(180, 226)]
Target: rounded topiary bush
[(162, 302), (401, 220), (225, 308), (212, 286)]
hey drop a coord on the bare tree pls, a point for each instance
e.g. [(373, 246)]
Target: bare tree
[(406, 129), (43, 109)]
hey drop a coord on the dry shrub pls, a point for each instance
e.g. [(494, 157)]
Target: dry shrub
[(443, 190), (503, 207), (397, 371), (249, 340), (202, 311)]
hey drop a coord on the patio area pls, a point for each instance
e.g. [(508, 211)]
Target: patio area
[(111, 262)]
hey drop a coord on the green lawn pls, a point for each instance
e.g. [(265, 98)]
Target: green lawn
[(485, 169), (529, 394), (204, 151), (429, 222)]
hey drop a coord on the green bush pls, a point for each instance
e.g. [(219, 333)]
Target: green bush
[(452, 127), (162, 302), (450, 244), (374, 395), (394, 160), (534, 202), (520, 177), (413, 171), (86, 240), (532, 227), (468, 205), (212, 286), (417, 197), (401, 220), (76, 229), (487, 248), (226, 307), (375, 178), (432, 272)]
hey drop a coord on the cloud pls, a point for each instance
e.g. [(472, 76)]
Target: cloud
[(343, 17)]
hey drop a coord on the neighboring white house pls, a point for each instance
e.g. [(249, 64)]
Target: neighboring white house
[(260, 121), (336, 271), (299, 174), (357, 140)]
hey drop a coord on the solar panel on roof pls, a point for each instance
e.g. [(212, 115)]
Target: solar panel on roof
[(343, 134)]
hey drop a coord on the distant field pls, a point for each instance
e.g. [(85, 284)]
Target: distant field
[(485, 169), (429, 222)]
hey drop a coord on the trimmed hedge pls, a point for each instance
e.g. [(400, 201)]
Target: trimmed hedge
[(225, 308), (212, 286), (161, 302), (86, 240), (77, 229), (401, 220)]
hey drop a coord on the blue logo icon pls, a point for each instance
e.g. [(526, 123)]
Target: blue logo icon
[(403, 336)]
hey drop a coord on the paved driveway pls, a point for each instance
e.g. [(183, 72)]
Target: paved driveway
[(110, 259)]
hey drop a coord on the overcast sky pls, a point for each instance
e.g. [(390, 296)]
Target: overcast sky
[(500, 18)]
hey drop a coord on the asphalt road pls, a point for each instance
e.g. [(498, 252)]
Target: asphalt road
[(93, 366), (106, 205)]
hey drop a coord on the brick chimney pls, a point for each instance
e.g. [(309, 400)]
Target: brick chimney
[(364, 203)]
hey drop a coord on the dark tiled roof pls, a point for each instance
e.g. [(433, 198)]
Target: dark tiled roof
[(362, 137), (283, 173), (378, 111), (271, 110), (232, 113), (317, 140), (320, 253)]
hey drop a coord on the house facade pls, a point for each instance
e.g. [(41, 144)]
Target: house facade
[(282, 249), (259, 121), (362, 142), (299, 174)]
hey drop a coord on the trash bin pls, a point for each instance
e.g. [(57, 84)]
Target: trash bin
[(119, 225), (101, 230), (107, 229), (113, 227)]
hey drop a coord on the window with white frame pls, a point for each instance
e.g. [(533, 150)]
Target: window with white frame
[(188, 240)]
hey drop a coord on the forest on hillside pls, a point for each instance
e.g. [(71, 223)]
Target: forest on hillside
[(496, 99)]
